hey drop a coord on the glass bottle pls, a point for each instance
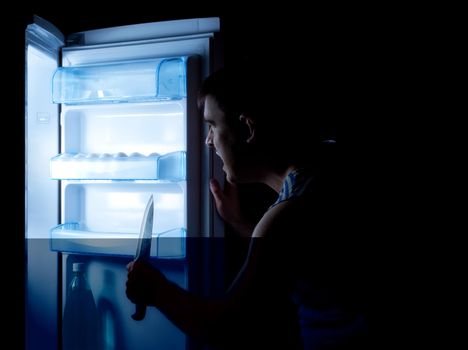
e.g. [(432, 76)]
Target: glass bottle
[(80, 318)]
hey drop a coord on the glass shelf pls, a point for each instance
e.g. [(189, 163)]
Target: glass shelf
[(71, 238), (118, 166), (133, 81)]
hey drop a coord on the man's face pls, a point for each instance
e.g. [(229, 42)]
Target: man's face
[(221, 136)]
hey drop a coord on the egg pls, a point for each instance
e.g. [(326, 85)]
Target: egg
[(120, 155), (136, 154)]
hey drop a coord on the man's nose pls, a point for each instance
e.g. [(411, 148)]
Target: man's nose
[(209, 141)]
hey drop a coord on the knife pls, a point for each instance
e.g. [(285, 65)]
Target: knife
[(144, 248)]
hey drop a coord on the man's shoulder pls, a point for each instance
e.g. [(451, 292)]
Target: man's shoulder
[(281, 219)]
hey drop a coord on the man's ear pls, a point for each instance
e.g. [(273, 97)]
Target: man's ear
[(250, 127)]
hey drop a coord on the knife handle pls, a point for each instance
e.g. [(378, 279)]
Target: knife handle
[(140, 312)]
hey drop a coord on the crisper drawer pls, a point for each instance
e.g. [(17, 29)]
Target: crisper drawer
[(105, 218)]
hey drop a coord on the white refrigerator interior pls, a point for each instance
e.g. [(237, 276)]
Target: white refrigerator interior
[(109, 124)]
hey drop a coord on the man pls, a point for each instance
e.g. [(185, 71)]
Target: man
[(300, 285)]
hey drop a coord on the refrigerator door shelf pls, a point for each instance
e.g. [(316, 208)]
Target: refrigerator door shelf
[(131, 81), (118, 166), (70, 238)]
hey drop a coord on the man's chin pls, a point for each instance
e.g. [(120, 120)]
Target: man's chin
[(229, 177), (232, 179)]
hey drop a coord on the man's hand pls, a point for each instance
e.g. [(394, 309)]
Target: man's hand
[(144, 283), (228, 207)]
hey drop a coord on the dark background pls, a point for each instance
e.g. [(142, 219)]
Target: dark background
[(352, 42)]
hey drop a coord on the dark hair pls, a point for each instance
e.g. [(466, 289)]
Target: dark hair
[(285, 106), (234, 89)]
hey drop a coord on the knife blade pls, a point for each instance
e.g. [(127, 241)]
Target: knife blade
[(144, 248)]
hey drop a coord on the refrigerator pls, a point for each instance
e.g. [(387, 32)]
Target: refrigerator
[(112, 119)]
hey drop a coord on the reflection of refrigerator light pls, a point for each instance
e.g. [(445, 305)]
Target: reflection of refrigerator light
[(170, 135), (125, 201), (109, 331), (168, 201), (141, 115)]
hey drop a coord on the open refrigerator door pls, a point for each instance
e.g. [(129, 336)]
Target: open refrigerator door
[(126, 128)]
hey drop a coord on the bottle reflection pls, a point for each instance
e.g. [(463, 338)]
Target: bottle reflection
[(111, 333)]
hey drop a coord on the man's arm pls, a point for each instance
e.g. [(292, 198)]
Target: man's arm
[(261, 278), (193, 314)]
